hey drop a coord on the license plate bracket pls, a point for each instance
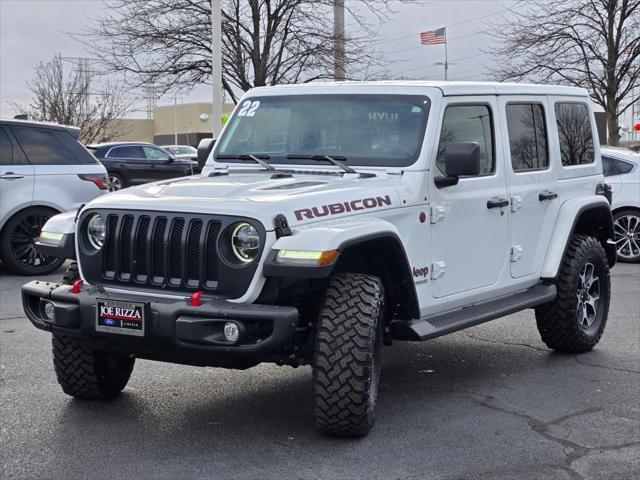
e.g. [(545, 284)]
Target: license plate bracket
[(121, 316)]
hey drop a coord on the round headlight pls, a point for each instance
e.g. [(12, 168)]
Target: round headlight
[(96, 231), (245, 242)]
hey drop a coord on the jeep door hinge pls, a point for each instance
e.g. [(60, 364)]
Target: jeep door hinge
[(516, 253), (516, 203), (438, 269), (436, 213)]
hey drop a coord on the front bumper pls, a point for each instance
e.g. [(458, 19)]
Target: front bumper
[(175, 331)]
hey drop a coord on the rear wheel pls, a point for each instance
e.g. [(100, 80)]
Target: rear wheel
[(115, 182), (87, 374), (18, 243), (348, 355), (575, 320), (626, 231)]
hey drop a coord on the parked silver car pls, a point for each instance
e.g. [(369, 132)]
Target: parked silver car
[(44, 171)]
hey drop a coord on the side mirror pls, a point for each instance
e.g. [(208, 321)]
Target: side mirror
[(171, 159), (204, 149), (460, 160)]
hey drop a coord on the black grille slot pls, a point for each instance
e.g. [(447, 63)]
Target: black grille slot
[(110, 247), (125, 247), (211, 264), (157, 255), (175, 252), (193, 254), (141, 255)]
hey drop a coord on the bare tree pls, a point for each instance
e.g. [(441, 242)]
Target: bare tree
[(265, 42), (65, 98), (589, 43)]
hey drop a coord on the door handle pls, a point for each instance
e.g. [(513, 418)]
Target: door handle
[(11, 176), (497, 202), (547, 195)]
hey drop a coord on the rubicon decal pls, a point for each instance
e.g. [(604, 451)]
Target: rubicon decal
[(342, 207)]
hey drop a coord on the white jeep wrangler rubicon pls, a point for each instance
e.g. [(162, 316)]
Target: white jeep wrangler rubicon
[(331, 219)]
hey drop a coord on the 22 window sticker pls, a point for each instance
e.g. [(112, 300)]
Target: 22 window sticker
[(248, 108)]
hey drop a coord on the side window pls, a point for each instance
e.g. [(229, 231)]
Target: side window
[(527, 137), (609, 167), (153, 153), (8, 154), (42, 147), (131, 151), (468, 123), (574, 130), (623, 167)]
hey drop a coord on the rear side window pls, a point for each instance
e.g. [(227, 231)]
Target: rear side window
[(129, 151), (8, 154), (468, 123), (527, 137), (574, 131), (81, 154), (609, 167), (50, 147)]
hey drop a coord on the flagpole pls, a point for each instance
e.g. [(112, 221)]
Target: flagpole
[(446, 56)]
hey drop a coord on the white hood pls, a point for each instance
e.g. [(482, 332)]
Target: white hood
[(302, 198)]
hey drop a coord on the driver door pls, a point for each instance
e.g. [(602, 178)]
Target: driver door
[(469, 227)]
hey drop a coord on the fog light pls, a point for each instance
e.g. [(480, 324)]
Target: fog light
[(49, 310), (231, 332)]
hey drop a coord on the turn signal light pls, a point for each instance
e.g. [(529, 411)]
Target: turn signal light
[(307, 257)]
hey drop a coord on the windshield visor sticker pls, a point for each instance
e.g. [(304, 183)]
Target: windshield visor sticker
[(342, 207), (248, 108)]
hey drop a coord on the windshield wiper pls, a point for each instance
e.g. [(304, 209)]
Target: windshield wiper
[(337, 161), (259, 159)]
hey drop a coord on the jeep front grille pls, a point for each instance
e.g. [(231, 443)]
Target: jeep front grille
[(169, 251)]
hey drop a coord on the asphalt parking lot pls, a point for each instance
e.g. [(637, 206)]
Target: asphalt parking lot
[(489, 402)]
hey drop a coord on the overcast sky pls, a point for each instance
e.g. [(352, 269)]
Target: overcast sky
[(34, 30)]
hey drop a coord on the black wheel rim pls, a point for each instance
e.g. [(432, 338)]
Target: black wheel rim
[(23, 241)]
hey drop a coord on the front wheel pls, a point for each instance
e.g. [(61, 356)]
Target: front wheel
[(348, 354), (84, 373), (575, 320)]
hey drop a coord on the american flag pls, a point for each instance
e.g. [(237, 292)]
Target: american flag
[(434, 37)]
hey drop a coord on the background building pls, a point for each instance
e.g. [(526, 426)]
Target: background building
[(179, 124)]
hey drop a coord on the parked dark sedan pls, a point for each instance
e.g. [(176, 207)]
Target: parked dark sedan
[(134, 163)]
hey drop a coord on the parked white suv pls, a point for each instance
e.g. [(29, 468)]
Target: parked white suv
[(44, 170), (621, 168), (331, 219)]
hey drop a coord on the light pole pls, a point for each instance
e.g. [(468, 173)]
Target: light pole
[(216, 65), (339, 53)]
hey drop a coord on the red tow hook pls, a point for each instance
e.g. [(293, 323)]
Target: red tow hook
[(77, 286), (195, 299)]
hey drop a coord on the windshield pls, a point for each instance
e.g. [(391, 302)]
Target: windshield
[(371, 130)]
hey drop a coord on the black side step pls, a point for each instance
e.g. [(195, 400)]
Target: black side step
[(443, 323)]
